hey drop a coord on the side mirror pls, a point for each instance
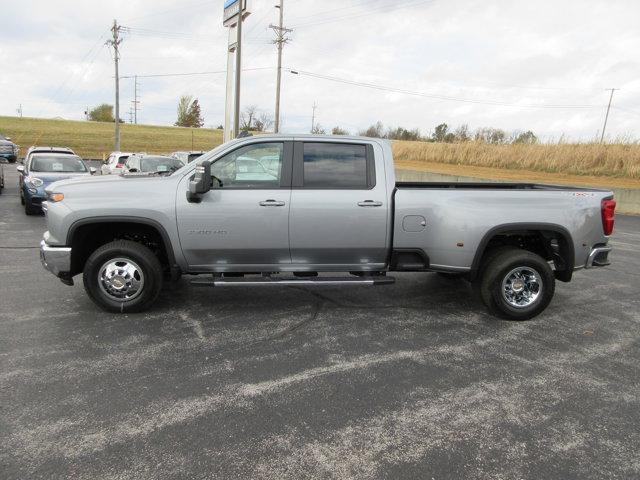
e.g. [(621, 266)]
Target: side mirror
[(20, 168), (201, 182), (92, 170)]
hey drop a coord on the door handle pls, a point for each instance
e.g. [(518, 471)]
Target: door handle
[(369, 203), (271, 203)]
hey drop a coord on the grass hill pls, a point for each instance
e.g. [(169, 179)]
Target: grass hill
[(92, 140)]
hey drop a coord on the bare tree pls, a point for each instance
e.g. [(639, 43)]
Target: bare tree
[(263, 122), (247, 117), (318, 130), (339, 131), (376, 131)]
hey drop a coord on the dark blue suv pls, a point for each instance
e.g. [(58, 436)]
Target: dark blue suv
[(42, 167)]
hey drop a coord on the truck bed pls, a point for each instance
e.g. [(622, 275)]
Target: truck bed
[(491, 186)]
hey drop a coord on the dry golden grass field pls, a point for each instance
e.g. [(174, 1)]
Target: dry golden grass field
[(608, 165), (615, 160)]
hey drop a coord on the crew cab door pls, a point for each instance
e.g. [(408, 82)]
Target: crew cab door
[(339, 210), (242, 224)]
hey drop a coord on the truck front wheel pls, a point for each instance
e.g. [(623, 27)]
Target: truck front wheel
[(516, 284), (123, 276)]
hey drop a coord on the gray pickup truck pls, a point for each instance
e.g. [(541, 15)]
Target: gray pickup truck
[(283, 210)]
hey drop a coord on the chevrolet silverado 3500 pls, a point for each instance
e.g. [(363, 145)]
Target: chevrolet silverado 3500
[(282, 210)]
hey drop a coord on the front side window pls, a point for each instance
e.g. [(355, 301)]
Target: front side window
[(247, 167), (57, 163), (332, 165)]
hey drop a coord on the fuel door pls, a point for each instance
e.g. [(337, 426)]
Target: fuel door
[(414, 223)]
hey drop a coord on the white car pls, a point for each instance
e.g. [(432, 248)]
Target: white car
[(115, 163)]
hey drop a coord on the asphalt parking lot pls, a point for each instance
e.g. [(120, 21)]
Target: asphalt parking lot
[(412, 380)]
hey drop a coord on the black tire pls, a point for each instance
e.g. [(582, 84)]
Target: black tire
[(21, 197), (138, 255), (497, 269), (29, 209)]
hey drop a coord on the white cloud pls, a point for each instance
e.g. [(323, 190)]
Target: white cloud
[(513, 52)]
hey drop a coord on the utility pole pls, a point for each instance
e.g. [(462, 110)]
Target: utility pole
[(313, 117), (115, 43), (606, 117), (135, 99), (280, 40)]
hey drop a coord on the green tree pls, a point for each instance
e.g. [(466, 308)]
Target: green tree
[(194, 116), (440, 133), (189, 112), (183, 110), (102, 113)]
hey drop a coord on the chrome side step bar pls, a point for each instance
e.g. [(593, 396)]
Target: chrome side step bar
[(264, 281)]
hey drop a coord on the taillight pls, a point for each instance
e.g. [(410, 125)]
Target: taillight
[(608, 208)]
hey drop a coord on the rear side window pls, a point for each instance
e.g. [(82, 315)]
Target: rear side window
[(332, 165)]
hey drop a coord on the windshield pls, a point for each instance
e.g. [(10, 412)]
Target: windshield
[(160, 164), (193, 156), (57, 163)]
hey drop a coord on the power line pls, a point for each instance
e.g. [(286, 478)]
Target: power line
[(370, 11), (188, 74), (432, 95)]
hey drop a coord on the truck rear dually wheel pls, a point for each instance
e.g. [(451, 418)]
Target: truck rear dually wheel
[(516, 284), (123, 276)]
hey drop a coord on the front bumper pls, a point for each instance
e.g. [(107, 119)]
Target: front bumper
[(599, 257), (56, 259)]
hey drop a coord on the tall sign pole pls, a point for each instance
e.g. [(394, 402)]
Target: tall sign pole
[(233, 15), (236, 101)]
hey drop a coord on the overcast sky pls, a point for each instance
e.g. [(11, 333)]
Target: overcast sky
[(542, 65)]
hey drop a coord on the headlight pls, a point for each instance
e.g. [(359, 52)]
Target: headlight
[(55, 197), (36, 182)]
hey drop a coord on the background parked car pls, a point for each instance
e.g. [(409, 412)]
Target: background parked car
[(42, 168), (138, 163), (187, 157), (1, 177), (8, 149), (115, 163)]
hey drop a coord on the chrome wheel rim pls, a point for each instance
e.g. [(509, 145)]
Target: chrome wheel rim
[(522, 287), (121, 279)]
